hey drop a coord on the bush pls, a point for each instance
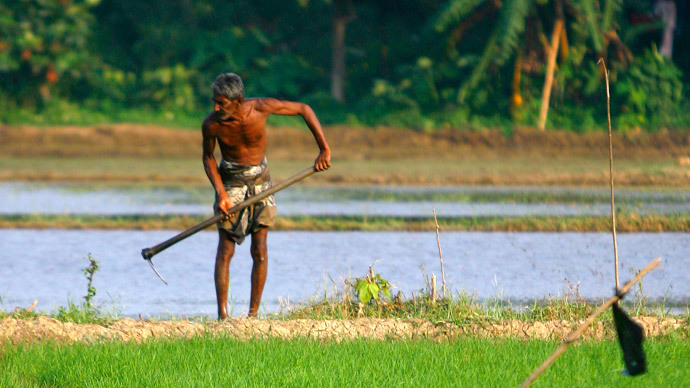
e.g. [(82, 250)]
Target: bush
[(650, 93), (170, 87)]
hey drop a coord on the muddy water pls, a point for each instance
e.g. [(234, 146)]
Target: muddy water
[(22, 198), (47, 265)]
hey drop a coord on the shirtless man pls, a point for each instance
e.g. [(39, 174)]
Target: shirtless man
[(239, 127)]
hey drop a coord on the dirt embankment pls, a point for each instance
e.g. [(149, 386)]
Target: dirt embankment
[(43, 328), (372, 156), (135, 140)]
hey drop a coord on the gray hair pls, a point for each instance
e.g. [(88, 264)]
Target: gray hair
[(228, 85)]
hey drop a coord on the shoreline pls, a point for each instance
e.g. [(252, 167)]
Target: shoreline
[(624, 223), (43, 328)]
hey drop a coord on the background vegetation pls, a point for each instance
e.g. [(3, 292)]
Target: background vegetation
[(415, 63)]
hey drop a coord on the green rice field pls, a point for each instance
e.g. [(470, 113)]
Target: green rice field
[(226, 362)]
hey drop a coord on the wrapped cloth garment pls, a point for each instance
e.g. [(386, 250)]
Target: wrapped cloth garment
[(242, 182)]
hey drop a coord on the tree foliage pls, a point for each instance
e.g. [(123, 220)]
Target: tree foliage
[(419, 63), (44, 44)]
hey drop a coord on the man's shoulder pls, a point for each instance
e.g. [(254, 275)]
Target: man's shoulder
[(209, 121), (263, 104)]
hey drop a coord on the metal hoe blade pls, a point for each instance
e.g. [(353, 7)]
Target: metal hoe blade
[(156, 271), (146, 254)]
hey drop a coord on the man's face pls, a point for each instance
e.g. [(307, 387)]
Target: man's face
[(224, 107)]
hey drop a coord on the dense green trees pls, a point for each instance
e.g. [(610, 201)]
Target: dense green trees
[(419, 63), (44, 48)]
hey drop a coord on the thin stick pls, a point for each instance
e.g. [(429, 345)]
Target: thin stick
[(440, 255), (574, 335), (613, 209), (32, 306), (433, 287)]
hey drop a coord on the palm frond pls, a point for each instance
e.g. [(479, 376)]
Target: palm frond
[(454, 12), (502, 42), (511, 24), (479, 71), (587, 7), (610, 8)]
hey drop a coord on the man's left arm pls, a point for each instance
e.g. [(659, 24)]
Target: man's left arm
[(290, 108)]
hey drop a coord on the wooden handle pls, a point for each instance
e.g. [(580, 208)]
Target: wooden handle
[(148, 253)]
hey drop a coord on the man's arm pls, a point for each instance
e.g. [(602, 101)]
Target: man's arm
[(290, 108), (211, 167)]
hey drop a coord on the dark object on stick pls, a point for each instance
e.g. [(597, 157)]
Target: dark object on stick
[(630, 336), (576, 334), (148, 253)]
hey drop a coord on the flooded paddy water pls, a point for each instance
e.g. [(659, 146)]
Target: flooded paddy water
[(411, 201), (518, 267), (46, 265)]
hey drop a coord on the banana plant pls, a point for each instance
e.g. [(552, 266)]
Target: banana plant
[(519, 23)]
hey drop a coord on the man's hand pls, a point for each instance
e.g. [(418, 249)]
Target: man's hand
[(323, 161), (224, 204)]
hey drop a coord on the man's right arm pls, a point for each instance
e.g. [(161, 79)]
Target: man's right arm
[(291, 108), (211, 167)]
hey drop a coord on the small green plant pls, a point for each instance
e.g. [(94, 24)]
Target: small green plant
[(372, 287), (86, 312), (89, 271), (640, 300), (77, 314)]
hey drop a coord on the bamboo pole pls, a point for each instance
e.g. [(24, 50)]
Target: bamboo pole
[(440, 256), (550, 68), (574, 335), (613, 209)]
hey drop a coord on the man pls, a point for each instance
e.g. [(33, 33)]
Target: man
[(238, 125)]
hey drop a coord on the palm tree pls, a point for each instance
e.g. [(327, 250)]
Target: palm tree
[(506, 40)]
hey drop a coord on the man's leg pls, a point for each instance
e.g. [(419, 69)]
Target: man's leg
[(260, 257), (226, 249)]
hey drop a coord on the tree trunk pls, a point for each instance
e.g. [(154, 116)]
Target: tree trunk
[(666, 10), (550, 68), (338, 57)]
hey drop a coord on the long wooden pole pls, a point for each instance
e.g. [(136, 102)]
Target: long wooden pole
[(576, 334), (148, 253), (613, 208)]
